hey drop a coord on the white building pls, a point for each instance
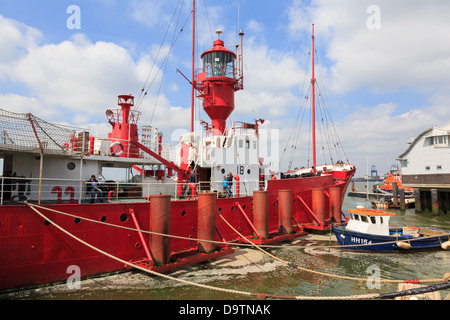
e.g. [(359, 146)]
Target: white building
[(425, 166)]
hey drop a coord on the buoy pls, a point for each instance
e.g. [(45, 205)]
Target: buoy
[(403, 245), (445, 245)]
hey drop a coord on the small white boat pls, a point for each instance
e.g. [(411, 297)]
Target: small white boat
[(369, 230)]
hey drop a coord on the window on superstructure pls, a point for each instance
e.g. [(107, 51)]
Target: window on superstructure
[(364, 219), (372, 219)]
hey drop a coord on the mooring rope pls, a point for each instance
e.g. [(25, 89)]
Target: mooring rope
[(234, 243), (231, 291), (320, 272), (250, 244)]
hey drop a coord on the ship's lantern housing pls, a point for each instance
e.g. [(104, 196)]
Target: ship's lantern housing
[(219, 63), (217, 82)]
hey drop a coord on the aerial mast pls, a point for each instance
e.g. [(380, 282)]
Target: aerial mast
[(313, 82), (193, 68)]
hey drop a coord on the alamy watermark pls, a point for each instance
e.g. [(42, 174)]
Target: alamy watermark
[(74, 280), (374, 20), (373, 280), (74, 20)]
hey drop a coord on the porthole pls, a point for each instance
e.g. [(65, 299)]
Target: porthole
[(183, 213), (123, 217), (103, 219), (77, 220), (248, 171), (71, 166)]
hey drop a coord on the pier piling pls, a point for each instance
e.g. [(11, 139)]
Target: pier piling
[(434, 201), (395, 193), (401, 193)]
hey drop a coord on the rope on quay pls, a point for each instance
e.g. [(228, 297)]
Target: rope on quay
[(250, 244), (230, 291)]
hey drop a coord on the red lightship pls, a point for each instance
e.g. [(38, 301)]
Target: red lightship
[(176, 211)]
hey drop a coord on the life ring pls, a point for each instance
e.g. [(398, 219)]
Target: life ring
[(116, 149)]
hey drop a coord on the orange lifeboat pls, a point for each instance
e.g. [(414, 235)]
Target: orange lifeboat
[(388, 183)]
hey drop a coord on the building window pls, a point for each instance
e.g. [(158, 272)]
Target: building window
[(440, 141), (404, 163)]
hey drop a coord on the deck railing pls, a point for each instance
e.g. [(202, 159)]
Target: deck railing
[(49, 190)]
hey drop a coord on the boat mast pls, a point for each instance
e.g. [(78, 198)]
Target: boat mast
[(193, 68), (313, 82)]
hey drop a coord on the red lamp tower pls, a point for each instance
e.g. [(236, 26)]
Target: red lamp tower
[(217, 82), (125, 129)]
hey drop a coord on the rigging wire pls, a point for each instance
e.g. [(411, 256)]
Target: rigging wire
[(144, 91), (209, 21), (166, 60), (297, 128), (329, 139)]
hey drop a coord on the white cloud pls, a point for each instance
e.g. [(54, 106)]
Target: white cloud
[(254, 26), (408, 53), (76, 80), (408, 48)]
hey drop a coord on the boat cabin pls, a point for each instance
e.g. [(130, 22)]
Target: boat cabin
[(369, 221)]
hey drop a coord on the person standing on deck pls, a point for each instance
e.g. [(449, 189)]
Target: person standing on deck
[(229, 184)]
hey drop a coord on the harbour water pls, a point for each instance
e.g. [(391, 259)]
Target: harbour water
[(250, 270)]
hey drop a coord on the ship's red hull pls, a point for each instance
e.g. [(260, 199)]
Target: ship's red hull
[(33, 252)]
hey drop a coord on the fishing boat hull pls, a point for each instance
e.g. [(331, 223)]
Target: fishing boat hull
[(364, 242)]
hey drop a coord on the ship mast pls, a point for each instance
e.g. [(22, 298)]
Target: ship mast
[(313, 82), (193, 68)]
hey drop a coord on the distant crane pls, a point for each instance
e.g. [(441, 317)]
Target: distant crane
[(373, 171)]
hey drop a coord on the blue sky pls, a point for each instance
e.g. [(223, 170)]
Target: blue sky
[(386, 74)]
